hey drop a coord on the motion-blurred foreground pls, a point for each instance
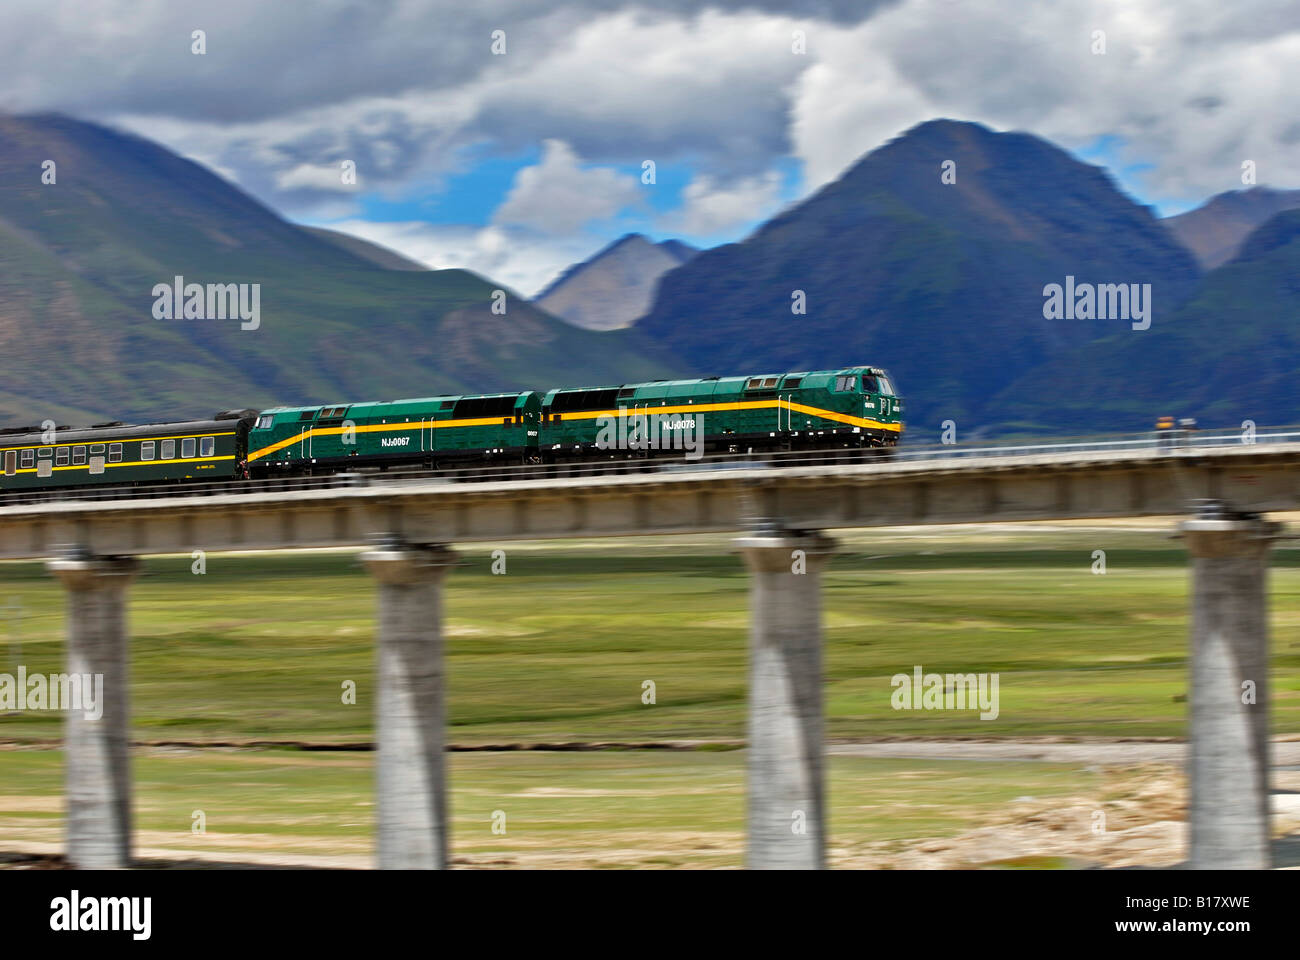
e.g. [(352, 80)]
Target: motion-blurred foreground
[(241, 674)]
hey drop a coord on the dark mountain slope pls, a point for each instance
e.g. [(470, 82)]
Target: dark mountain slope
[(1230, 354), (79, 260), (942, 283)]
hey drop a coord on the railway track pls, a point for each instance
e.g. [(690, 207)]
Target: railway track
[(1172, 445)]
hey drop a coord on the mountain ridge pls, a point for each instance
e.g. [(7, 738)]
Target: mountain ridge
[(1215, 230), (612, 288), (81, 256), (943, 283)]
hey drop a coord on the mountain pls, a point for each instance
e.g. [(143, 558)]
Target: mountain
[(80, 258), (942, 283), (1215, 230), (1228, 355), (378, 255), (614, 288)]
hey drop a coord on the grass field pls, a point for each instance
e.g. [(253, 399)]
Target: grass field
[(619, 808), (557, 649)]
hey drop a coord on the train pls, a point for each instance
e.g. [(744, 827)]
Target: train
[(824, 410)]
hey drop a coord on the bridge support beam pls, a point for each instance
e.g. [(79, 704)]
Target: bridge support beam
[(97, 738), (1228, 765), (410, 779), (786, 815)]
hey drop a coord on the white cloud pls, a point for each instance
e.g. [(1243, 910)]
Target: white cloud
[(559, 197), (409, 90), (1191, 87), (711, 207), (315, 177), (520, 259)]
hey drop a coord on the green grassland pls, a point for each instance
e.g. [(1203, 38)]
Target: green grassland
[(621, 808), (558, 647)]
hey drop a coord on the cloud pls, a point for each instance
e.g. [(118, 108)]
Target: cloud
[(1189, 88), (410, 90), (557, 196), (710, 207), (310, 177), (520, 259)]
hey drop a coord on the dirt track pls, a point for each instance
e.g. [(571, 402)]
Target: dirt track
[(1286, 750)]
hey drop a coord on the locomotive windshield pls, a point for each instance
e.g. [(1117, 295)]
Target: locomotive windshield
[(885, 386)]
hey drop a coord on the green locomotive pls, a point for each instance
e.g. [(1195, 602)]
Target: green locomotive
[(820, 410), (852, 407), (432, 431)]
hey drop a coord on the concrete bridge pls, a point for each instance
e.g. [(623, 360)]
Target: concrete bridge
[(781, 514)]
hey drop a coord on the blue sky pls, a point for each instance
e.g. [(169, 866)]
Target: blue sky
[(473, 196)]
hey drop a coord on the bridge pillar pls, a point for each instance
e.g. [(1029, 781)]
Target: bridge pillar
[(1228, 756), (97, 741), (786, 804), (409, 715)]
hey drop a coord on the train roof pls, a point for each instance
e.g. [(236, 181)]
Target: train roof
[(104, 432), (410, 401)]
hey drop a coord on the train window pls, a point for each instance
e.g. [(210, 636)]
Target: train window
[(96, 464), (79, 456), (885, 385), (793, 382), (870, 384), (11, 462), (187, 447), (28, 457), (115, 452), (264, 422), (483, 408), (168, 451), (61, 456), (146, 450), (207, 446), (567, 401), (96, 448), (44, 468), (45, 452), (306, 414), (845, 383)]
